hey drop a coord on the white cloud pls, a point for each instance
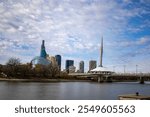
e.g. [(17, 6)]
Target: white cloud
[(68, 27)]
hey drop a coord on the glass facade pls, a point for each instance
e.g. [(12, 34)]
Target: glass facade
[(58, 60), (81, 67), (43, 52), (40, 60), (69, 63)]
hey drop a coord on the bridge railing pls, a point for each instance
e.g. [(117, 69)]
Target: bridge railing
[(131, 74)]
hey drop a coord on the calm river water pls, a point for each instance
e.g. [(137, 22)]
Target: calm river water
[(69, 90)]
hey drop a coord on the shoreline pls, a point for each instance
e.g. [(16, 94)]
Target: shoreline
[(43, 80), (46, 80)]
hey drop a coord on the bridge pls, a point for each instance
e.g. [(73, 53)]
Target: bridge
[(112, 77)]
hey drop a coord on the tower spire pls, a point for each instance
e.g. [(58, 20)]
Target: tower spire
[(43, 51), (101, 52)]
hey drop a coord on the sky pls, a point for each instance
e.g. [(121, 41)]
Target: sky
[(74, 28)]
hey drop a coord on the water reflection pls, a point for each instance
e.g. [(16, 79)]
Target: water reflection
[(69, 90)]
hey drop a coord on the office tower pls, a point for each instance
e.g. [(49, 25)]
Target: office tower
[(68, 64), (101, 53), (81, 67), (43, 52), (72, 69), (52, 59), (92, 64), (58, 60)]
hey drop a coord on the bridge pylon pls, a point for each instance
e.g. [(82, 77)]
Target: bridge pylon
[(141, 80)]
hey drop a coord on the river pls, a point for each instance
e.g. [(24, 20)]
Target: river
[(69, 90)]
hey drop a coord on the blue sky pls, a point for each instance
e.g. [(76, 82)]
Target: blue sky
[(73, 29)]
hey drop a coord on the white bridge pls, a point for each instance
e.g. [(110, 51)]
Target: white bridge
[(109, 77)]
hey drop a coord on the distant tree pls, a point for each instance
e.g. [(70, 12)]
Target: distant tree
[(24, 70), (13, 62), (12, 67), (1, 68), (54, 70)]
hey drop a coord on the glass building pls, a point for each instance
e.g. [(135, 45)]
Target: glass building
[(58, 60), (81, 67), (42, 59), (43, 51), (92, 64), (68, 64)]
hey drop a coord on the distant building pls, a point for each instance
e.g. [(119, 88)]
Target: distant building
[(81, 67), (58, 60), (68, 64), (52, 59), (92, 64), (72, 69), (43, 51), (42, 59)]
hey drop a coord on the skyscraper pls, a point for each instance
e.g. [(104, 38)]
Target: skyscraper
[(68, 64), (43, 51), (81, 67), (58, 60), (92, 64), (72, 69), (52, 59)]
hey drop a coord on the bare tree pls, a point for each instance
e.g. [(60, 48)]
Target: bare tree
[(13, 62), (12, 67), (54, 70)]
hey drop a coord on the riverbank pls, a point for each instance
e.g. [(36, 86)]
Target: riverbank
[(43, 80)]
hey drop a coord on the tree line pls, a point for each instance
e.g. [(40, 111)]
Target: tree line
[(15, 69)]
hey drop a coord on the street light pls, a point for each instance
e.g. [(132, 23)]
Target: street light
[(136, 69)]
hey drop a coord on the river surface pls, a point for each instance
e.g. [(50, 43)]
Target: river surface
[(69, 90)]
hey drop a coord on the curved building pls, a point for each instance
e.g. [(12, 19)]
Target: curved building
[(43, 51), (42, 59)]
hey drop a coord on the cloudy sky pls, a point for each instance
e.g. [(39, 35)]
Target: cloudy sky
[(74, 28)]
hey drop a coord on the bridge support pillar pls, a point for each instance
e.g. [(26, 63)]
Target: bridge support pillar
[(100, 79), (141, 80), (108, 79)]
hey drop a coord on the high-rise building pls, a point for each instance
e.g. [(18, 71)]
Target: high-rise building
[(58, 60), (81, 67), (92, 64), (43, 51), (72, 69), (52, 59), (68, 64)]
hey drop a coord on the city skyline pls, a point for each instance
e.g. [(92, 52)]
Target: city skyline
[(73, 29)]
